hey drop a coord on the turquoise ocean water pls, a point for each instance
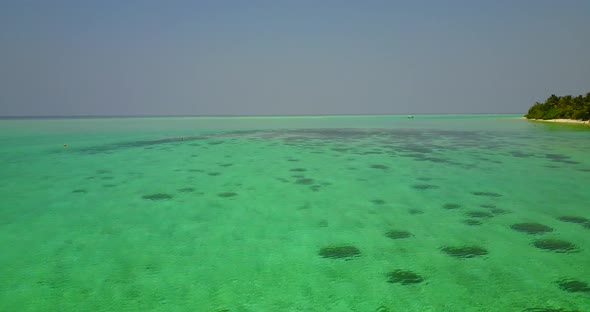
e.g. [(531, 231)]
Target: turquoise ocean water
[(349, 213)]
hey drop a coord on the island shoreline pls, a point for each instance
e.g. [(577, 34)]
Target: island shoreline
[(574, 121)]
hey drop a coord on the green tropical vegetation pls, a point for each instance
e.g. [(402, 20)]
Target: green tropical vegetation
[(562, 107)]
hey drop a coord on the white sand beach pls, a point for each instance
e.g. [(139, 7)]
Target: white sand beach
[(585, 122)]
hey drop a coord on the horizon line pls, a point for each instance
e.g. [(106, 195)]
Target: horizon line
[(230, 116)]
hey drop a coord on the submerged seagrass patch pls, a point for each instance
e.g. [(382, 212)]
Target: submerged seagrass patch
[(424, 186), (479, 214), (487, 194), (451, 206), (227, 194), (574, 219), (404, 277), (531, 228), (346, 252), (555, 245), (157, 196), (472, 222), (398, 234), (464, 252), (574, 286)]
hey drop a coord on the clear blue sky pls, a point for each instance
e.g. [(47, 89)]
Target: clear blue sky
[(289, 57)]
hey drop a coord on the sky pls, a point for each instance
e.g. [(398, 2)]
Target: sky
[(144, 57)]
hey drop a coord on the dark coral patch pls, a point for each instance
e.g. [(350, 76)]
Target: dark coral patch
[(340, 252), (488, 194), (571, 285), (382, 167), (378, 201), (397, 234), (371, 153), (340, 149), (520, 154), (227, 194), (79, 191), (424, 186), (555, 245), (451, 206), (572, 219), (298, 169), (315, 188), (499, 211), (531, 228), (556, 156), (415, 211), (479, 214), (304, 181), (157, 196), (186, 189), (214, 173), (465, 251), (472, 222), (561, 159), (404, 277), (226, 165)]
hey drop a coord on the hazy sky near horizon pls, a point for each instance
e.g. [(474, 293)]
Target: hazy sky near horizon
[(144, 57)]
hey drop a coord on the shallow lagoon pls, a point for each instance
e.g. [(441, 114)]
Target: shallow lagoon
[(344, 213)]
